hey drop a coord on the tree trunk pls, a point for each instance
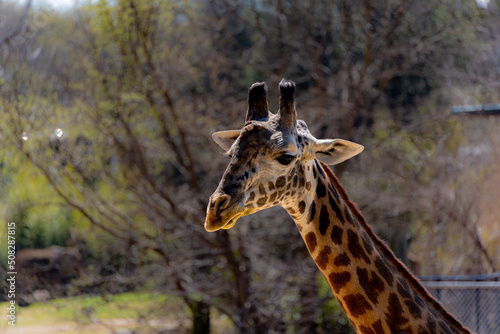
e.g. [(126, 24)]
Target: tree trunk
[(201, 317)]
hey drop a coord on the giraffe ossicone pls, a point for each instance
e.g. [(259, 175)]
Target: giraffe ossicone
[(275, 160)]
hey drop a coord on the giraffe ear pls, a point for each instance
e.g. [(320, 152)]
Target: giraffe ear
[(225, 139), (335, 151)]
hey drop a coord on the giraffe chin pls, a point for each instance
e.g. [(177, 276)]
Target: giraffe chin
[(226, 220), (220, 223), (230, 223)]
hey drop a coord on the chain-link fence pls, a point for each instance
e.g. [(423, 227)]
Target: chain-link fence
[(475, 302)]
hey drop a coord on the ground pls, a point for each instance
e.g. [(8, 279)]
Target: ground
[(121, 314)]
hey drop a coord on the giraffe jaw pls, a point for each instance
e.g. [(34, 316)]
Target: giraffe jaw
[(231, 222)]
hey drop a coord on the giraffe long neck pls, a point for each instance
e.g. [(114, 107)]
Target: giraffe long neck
[(376, 291)]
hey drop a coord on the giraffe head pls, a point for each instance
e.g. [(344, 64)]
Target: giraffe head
[(268, 158)]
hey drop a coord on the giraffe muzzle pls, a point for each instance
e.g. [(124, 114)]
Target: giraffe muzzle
[(219, 212)]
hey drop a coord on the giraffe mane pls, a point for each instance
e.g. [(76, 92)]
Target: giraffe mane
[(389, 255)]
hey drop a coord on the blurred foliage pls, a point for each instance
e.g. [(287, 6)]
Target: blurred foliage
[(42, 219), (106, 117)]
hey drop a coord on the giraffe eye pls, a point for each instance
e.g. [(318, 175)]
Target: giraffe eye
[(285, 158)]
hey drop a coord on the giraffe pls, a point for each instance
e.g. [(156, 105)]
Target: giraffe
[(275, 160)]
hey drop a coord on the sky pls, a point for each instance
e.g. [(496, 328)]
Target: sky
[(55, 4), (62, 3), (483, 3)]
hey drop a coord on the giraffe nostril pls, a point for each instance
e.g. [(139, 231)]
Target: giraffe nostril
[(221, 203)]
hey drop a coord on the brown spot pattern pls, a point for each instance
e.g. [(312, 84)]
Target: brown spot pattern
[(311, 241), (377, 327), (366, 330), (384, 270), (312, 211), (302, 207), (262, 201), (324, 220), (280, 182), (415, 311), (395, 318), (320, 189), (334, 192), (357, 304), (336, 234), (403, 289), (349, 217), (355, 247), (339, 280), (323, 257), (373, 286), (431, 325), (320, 169), (342, 260), (336, 208), (367, 243)]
